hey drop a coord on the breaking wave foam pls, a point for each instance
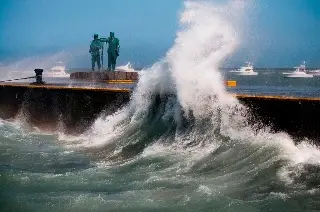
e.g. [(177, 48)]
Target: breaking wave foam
[(181, 102)]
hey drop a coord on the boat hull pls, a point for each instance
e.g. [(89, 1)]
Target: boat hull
[(299, 76), (247, 74)]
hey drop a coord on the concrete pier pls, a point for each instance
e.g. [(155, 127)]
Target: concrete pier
[(300, 117), (118, 76), (50, 107), (105, 75), (74, 108)]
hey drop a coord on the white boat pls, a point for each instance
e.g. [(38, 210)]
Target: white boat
[(246, 70), (126, 68), (300, 72), (59, 70)]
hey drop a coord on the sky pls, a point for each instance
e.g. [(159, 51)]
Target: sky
[(280, 33), (284, 33)]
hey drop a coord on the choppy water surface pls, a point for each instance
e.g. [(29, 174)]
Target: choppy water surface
[(189, 152)]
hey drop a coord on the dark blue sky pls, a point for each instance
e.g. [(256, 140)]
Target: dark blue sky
[(281, 33)]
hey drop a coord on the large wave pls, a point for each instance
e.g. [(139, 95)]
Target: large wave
[(180, 105)]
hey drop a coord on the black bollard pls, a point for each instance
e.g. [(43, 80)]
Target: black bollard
[(39, 76)]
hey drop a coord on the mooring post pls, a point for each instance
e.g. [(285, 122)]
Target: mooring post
[(39, 76)]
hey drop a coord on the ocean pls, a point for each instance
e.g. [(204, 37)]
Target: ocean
[(191, 151), (274, 83)]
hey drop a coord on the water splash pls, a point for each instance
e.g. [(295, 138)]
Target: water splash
[(191, 91)]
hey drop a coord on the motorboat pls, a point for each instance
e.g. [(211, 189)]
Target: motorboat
[(246, 70), (126, 68), (300, 72), (299, 69), (58, 70)]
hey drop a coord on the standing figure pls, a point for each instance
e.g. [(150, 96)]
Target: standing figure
[(113, 51), (95, 47)]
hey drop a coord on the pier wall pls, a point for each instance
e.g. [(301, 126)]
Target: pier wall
[(103, 76), (55, 107), (300, 117), (75, 108)]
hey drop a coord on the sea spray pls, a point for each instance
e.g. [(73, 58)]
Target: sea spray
[(189, 70), (188, 80)]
